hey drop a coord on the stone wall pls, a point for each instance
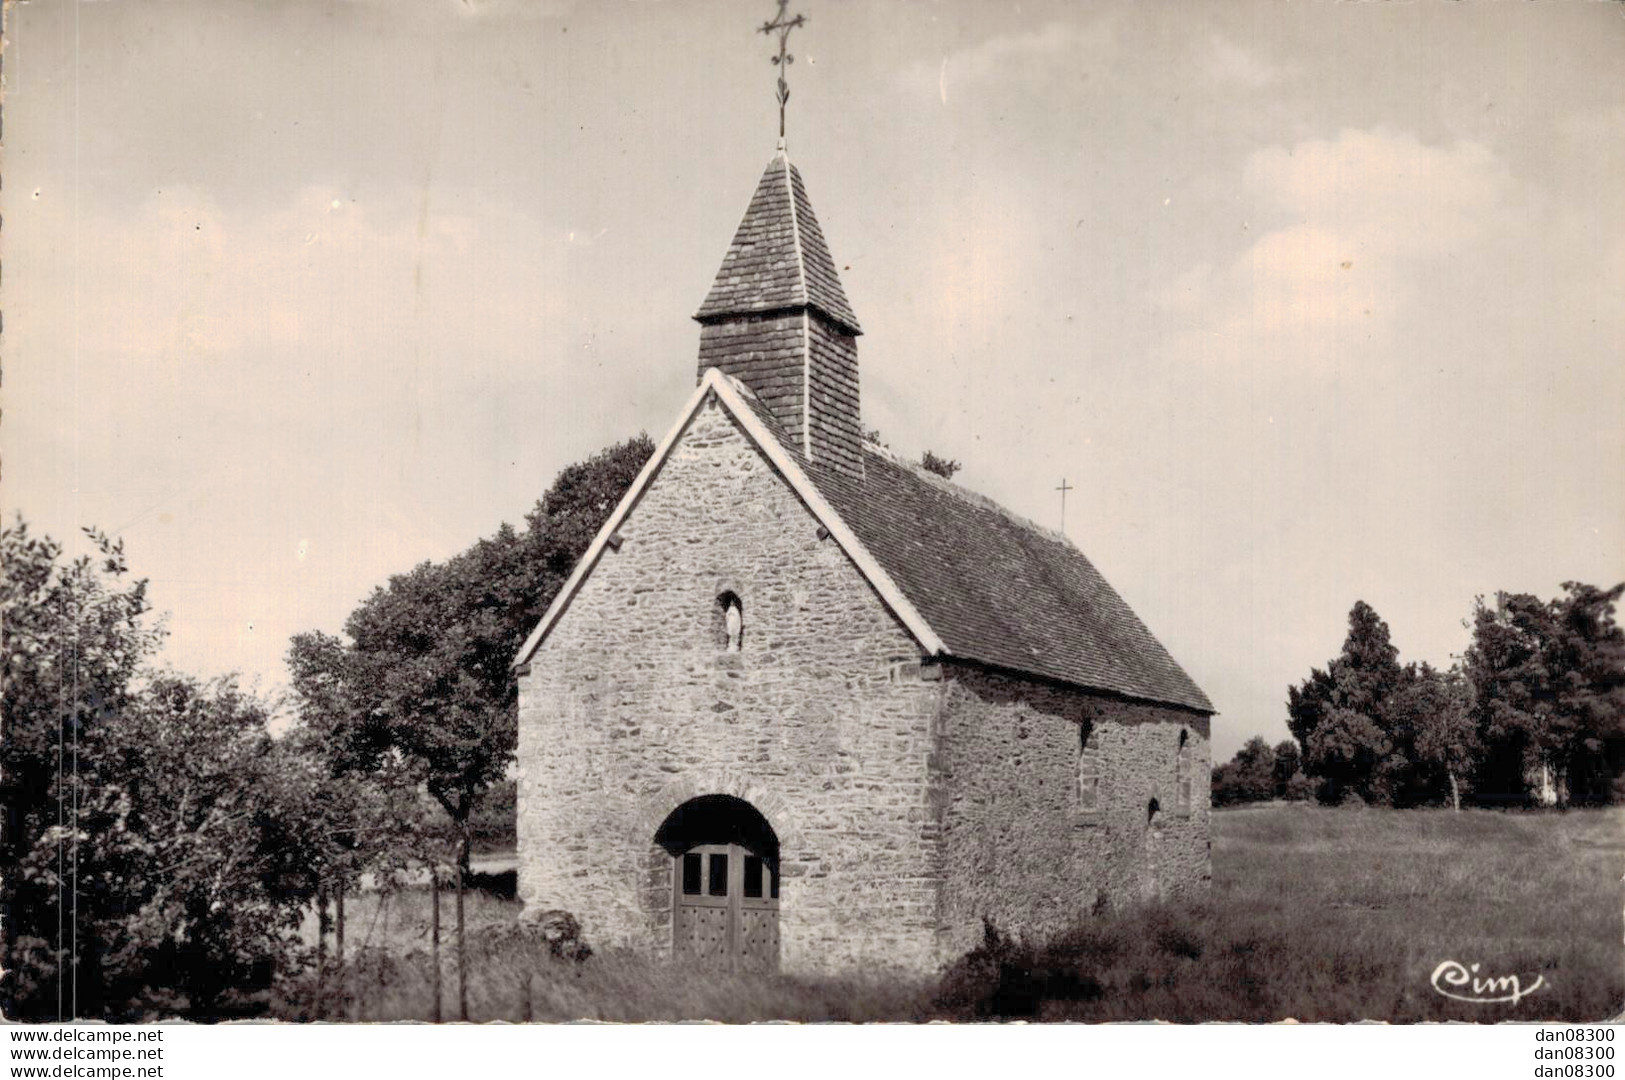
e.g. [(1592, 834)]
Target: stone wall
[(910, 799), (1016, 844), (822, 720)]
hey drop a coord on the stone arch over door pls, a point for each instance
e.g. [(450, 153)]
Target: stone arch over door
[(723, 856), (655, 809), (658, 896)]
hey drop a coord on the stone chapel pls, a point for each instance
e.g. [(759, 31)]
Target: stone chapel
[(804, 704)]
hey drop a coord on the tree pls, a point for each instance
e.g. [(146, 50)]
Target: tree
[(1358, 683), (1368, 671), (1247, 777), (73, 637), (1511, 686), (431, 651), (1587, 650), (1548, 680), (1345, 749), (564, 521), (189, 867), (366, 814), (1288, 763), (1360, 678), (1299, 788), (1437, 707), (1308, 703), (193, 862), (428, 665), (155, 846)]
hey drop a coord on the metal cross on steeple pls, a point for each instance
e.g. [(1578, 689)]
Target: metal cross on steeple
[(1063, 489), (782, 24)]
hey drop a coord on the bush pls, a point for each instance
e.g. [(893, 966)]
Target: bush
[(1247, 777), (1299, 788), (1007, 979), (562, 933)]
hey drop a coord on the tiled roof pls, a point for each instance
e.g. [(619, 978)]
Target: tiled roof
[(778, 258), (995, 587)]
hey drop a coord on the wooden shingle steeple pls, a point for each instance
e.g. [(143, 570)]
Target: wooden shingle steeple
[(777, 319)]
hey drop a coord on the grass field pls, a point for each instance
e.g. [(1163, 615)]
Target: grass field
[(1315, 914)]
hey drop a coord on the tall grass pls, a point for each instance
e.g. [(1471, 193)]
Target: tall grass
[(1315, 914), (1372, 901)]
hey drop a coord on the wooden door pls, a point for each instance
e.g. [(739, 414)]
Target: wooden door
[(726, 908)]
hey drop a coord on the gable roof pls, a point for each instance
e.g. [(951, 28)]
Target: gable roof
[(778, 258), (999, 589), (770, 438), (967, 578)]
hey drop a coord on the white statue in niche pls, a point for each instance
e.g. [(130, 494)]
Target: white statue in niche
[(736, 624)]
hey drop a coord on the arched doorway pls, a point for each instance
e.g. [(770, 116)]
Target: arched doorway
[(725, 883)]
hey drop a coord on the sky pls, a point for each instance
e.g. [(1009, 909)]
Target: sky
[(1308, 302)]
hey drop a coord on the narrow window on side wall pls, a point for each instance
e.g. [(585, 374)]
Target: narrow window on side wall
[(1088, 769), (1182, 774)]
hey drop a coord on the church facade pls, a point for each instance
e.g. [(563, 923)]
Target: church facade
[(803, 704)]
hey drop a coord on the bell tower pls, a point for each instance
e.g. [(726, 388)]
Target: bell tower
[(778, 320)]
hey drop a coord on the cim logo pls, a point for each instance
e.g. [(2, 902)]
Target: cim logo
[(1461, 983)]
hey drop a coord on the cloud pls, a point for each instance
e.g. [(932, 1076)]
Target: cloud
[(1029, 59), (1383, 185), (213, 284), (1228, 62), (1103, 49), (279, 409), (1007, 54), (1347, 230)]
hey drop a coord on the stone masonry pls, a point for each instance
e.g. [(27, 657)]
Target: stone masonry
[(634, 706), (1017, 847), (911, 797)]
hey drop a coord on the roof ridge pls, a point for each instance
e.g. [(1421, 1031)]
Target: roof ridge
[(882, 450), (965, 494), (795, 223), (1003, 590)]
